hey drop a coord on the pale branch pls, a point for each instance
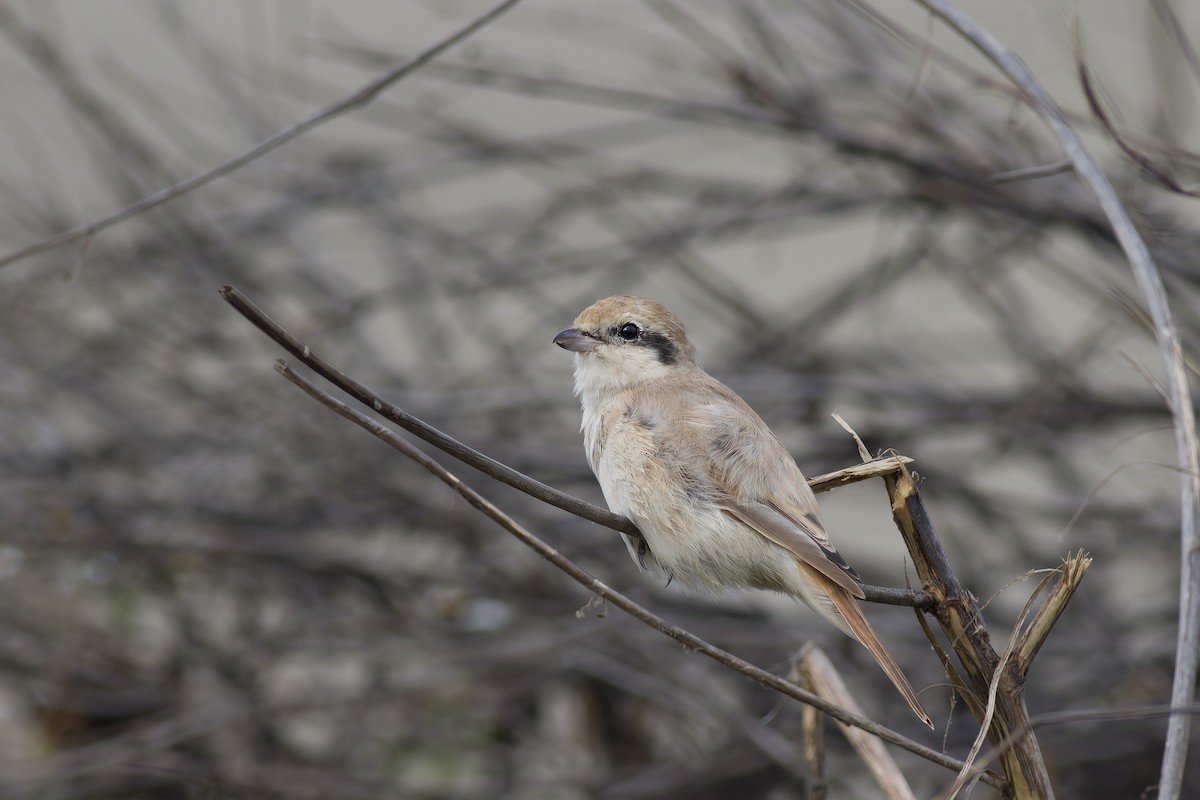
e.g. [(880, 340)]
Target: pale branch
[(815, 788), (520, 481), (360, 97), (599, 588), (816, 672), (958, 613), (875, 468), (1187, 656)]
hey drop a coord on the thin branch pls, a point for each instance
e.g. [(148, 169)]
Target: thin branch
[(598, 587), (447, 444), (1187, 655), (1072, 716), (1153, 171), (1029, 173), (522, 482), (361, 97)]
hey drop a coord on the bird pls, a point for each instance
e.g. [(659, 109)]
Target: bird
[(719, 500)]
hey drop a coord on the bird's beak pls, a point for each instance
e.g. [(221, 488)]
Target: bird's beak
[(576, 341)]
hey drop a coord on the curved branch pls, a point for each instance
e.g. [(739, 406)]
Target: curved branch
[(1187, 656)]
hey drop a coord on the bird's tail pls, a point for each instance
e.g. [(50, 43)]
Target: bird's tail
[(855, 623)]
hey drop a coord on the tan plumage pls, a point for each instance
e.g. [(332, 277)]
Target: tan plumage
[(719, 499)]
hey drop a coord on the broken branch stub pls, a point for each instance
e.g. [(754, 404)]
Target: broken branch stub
[(958, 613)]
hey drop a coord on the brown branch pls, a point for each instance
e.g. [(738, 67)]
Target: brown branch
[(361, 97), (594, 585), (1153, 171), (518, 480), (959, 615), (447, 444), (998, 680)]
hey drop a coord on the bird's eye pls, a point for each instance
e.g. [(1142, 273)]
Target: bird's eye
[(629, 331)]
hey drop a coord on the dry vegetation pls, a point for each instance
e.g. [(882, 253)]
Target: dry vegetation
[(212, 587)]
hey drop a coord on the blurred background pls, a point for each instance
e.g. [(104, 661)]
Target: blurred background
[(212, 587)]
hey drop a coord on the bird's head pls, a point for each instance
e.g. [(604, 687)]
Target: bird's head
[(624, 341)]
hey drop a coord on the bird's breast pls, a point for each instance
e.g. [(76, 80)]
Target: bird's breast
[(658, 477), (595, 435)]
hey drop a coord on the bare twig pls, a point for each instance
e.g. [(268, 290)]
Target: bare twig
[(874, 468), (1150, 281), (611, 595), (961, 620), (1029, 173), (368, 397), (361, 97)]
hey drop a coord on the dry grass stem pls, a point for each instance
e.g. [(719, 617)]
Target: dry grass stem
[(814, 670), (1070, 575)]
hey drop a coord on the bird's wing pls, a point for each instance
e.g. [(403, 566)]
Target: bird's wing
[(798, 541), (764, 489)]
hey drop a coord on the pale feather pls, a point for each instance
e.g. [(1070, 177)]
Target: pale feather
[(847, 608), (690, 438)]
